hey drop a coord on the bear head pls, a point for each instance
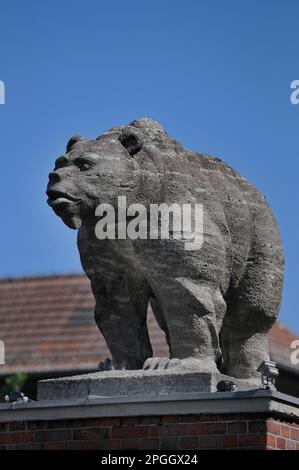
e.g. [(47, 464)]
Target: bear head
[(123, 161)]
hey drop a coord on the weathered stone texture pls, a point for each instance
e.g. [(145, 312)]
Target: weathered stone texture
[(215, 304)]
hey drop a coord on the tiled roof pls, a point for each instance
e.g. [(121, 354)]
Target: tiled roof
[(47, 325), (280, 340)]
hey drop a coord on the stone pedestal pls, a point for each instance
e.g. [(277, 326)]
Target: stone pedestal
[(135, 383)]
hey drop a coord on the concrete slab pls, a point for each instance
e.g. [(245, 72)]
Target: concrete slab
[(134, 383)]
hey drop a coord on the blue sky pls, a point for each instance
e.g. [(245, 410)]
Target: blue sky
[(216, 74)]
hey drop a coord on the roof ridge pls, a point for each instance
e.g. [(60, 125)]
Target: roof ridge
[(42, 277)]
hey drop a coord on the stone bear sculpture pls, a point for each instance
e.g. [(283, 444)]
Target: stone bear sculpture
[(216, 303)]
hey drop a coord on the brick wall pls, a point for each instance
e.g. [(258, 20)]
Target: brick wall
[(223, 431)]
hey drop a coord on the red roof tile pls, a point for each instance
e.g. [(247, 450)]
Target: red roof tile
[(47, 325)]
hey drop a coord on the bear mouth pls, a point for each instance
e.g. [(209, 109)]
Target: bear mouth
[(56, 198)]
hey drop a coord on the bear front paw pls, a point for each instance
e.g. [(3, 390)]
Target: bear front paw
[(153, 363)]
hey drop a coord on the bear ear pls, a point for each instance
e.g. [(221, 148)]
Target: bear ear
[(131, 140), (73, 140)]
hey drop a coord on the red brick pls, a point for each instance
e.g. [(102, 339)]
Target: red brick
[(150, 420), (130, 421), (171, 430), (180, 429), (249, 440), (16, 437), (130, 431), (188, 419), (55, 435), (55, 424), (17, 426), (169, 419), (271, 440), (227, 441), (156, 431), (228, 417), (129, 443), (111, 421), (208, 442), (90, 434), (239, 427), (149, 444), (207, 428), (257, 427), (92, 423), (3, 427), (111, 444), (176, 429), (291, 445), (74, 423), (294, 434), (207, 418), (169, 443), (33, 425), (189, 442), (273, 427), (280, 443), (160, 431), (285, 430)]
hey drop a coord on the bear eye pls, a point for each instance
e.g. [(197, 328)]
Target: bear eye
[(82, 163), (60, 163), (131, 141)]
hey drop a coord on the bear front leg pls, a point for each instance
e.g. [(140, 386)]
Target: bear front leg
[(193, 312), (120, 314)]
